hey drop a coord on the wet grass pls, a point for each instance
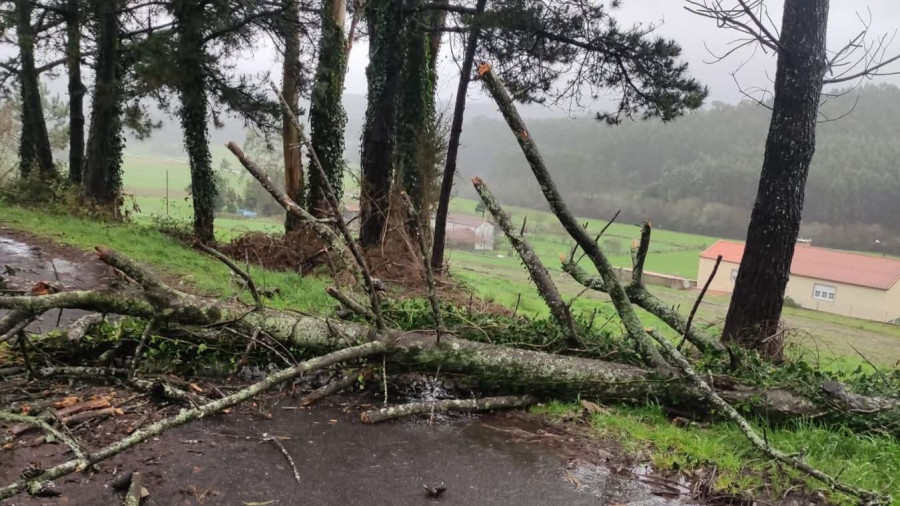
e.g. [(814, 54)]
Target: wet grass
[(865, 460), (167, 256)]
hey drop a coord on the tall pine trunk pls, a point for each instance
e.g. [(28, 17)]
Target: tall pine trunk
[(443, 208), (102, 170), (290, 88), (755, 310), (34, 142), (327, 119), (76, 90), (386, 55), (190, 56)]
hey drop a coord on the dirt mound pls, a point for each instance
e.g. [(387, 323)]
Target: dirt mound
[(299, 251)]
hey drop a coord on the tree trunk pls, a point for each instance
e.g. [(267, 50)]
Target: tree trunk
[(327, 119), (76, 91), (191, 65), (386, 55), (755, 310), (290, 89), (443, 208), (34, 142), (415, 111), (102, 172)]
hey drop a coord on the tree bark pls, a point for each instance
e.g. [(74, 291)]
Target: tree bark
[(76, 90), (386, 55), (327, 119), (755, 311), (415, 112), (290, 90), (191, 64), (34, 142), (102, 172), (459, 109)]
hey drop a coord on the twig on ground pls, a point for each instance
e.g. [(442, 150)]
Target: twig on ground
[(687, 326), (420, 408), (140, 347), (257, 299), (185, 416), (133, 496), (46, 427), (274, 439), (344, 382), (866, 496)]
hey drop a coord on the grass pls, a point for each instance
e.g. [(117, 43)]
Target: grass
[(167, 257), (867, 461)]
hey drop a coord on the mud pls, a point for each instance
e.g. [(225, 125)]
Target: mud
[(25, 260)]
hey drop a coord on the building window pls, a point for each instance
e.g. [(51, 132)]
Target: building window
[(733, 275), (823, 292)]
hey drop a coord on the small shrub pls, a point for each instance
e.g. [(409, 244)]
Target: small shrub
[(789, 302)]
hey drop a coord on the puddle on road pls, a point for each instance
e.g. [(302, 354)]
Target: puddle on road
[(12, 247)]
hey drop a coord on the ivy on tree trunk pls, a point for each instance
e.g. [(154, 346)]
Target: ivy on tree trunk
[(102, 171), (190, 56), (327, 118), (386, 55), (755, 310), (415, 112)]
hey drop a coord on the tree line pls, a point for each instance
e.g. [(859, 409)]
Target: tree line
[(699, 174)]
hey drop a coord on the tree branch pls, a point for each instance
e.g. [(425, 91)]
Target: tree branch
[(630, 320), (539, 275)]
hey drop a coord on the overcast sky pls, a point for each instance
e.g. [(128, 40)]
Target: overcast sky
[(692, 32)]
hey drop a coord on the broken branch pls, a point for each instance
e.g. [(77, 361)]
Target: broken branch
[(867, 496), (237, 270), (539, 275), (630, 320)]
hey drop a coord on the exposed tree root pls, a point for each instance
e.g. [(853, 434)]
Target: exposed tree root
[(421, 408)]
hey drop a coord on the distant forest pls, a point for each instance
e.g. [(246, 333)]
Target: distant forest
[(699, 173)]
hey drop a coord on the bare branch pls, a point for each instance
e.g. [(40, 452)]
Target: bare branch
[(687, 326), (257, 299)]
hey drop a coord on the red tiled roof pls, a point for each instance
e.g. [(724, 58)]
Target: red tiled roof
[(465, 220), (462, 235), (825, 264)]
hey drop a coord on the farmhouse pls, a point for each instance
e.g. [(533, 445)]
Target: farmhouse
[(470, 232), (849, 284)]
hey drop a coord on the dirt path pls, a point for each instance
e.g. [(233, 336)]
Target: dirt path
[(496, 460)]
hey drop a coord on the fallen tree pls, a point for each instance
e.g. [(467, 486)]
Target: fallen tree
[(495, 367)]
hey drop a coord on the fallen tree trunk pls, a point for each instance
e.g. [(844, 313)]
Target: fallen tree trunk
[(498, 368), (470, 405)]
